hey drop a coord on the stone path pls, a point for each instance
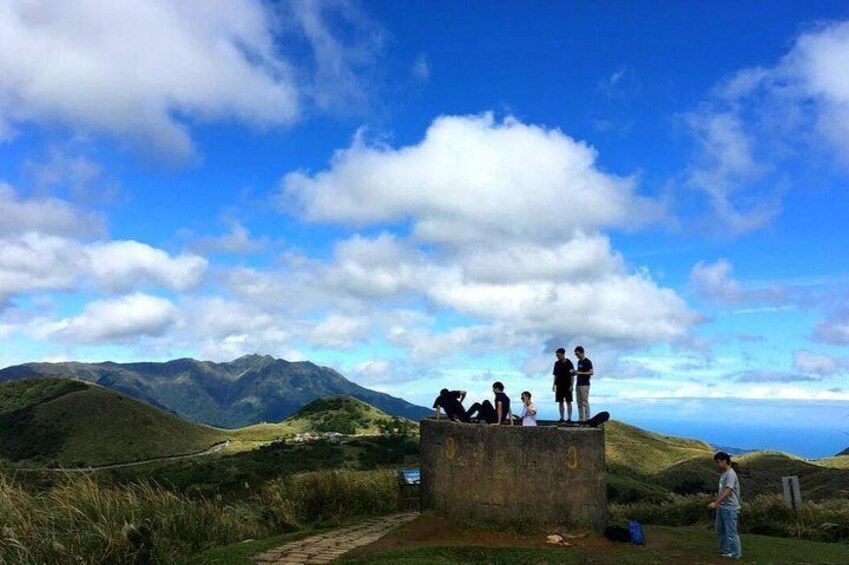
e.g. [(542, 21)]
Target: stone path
[(326, 547)]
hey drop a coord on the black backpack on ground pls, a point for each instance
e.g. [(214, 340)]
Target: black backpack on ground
[(618, 534), (598, 419)]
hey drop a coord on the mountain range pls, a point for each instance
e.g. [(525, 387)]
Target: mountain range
[(249, 390)]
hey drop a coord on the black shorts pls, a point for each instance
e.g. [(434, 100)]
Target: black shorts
[(562, 393)]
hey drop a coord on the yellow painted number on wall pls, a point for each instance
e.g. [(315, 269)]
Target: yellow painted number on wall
[(450, 448), (572, 458)]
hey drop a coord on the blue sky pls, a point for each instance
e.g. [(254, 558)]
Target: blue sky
[(428, 194)]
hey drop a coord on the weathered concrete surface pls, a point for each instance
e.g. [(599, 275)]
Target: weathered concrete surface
[(540, 475)]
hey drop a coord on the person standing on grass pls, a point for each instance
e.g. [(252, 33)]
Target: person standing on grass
[(563, 383), (727, 506), (529, 410), (584, 372)]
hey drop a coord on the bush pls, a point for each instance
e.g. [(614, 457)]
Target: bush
[(330, 497), (766, 514)]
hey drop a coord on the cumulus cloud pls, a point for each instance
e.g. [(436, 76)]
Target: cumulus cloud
[(820, 364), (341, 332), (42, 262), (715, 283), (118, 265), (834, 330), (762, 115), (43, 247), (627, 309), (38, 262), (472, 179), (142, 71), (237, 241), (48, 216), (114, 320)]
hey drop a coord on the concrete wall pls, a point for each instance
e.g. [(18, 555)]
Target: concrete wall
[(542, 475)]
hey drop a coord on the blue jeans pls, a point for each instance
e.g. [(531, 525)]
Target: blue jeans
[(726, 529)]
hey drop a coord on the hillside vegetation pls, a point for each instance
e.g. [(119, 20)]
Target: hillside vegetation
[(62, 422), (341, 414)]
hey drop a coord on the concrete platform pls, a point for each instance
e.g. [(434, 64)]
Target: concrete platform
[(545, 475)]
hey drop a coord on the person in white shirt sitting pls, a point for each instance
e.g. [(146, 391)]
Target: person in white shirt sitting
[(529, 410)]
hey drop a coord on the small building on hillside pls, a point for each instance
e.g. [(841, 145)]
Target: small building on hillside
[(545, 475)]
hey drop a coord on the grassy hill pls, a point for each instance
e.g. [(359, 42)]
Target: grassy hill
[(342, 414), (248, 390), (72, 423), (644, 465)]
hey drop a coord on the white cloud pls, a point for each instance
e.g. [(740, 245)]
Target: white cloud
[(143, 71), (49, 216), (114, 320), (421, 68), (820, 364), (121, 265), (816, 71), (39, 251), (584, 258), (763, 116), (38, 262), (834, 330), (339, 332), (237, 240), (715, 283), (69, 172), (337, 65), (726, 168), (473, 180), (626, 309)]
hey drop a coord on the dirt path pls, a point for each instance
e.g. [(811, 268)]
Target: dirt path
[(214, 449), (329, 546)]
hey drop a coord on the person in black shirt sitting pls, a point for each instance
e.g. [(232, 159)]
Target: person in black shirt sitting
[(451, 402), (498, 414)]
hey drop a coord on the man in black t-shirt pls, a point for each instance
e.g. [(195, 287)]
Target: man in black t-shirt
[(498, 414), (451, 402), (584, 372), (563, 383)]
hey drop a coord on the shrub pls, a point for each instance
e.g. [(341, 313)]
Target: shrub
[(330, 497), (826, 520)]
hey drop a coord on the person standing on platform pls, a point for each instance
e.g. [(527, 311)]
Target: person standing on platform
[(584, 373), (563, 383)]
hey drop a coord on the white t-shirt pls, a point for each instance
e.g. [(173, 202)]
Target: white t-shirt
[(529, 419)]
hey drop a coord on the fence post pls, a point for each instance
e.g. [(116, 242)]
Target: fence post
[(792, 493)]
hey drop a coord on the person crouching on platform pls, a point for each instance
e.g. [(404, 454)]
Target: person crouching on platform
[(451, 402), (495, 415)]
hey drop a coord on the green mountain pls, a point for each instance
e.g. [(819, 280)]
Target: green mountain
[(249, 390), (61, 422)]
